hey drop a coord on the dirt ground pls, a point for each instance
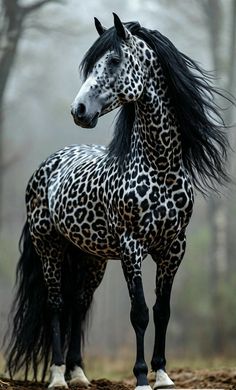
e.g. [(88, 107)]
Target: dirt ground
[(183, 378)]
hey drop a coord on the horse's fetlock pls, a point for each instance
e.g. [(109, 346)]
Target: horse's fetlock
[(140, 368)]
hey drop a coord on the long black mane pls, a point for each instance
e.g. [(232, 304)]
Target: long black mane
[(204, 141)]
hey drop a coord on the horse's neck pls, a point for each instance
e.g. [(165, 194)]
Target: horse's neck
[(156, 134)]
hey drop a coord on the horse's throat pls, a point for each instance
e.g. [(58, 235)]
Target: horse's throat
[(156, 136)]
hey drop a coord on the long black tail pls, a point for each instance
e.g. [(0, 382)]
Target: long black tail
[(29, 344)]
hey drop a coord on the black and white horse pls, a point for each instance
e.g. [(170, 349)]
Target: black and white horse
[(87, 204)]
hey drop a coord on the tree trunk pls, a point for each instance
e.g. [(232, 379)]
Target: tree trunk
[(10, 33), (231, 120), (217, 271), (12, 17), (219, 266)]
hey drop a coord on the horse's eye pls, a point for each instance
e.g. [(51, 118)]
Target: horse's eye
[(115, 60)]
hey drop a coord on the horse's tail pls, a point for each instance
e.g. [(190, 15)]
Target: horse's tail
[(29, 344)]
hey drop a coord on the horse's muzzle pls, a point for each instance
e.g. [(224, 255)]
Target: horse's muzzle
[(82, 118)]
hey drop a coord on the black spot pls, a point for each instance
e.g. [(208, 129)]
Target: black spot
[(180, 199), (90, 217), (130, 196), (88, 188), (154, 196), (135, 172), (148, 54), (172, 213), (147, 218), (175, 247), (80, 214), (99, 210), (93, 194), (86, 230), (170, 204), (142, 190), (160, 212), (144, 204), (69, 221), (44, 213), (94, 237), (98, 225), (143, 178)]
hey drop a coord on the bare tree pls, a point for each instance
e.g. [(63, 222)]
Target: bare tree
[(12, 22), (217, 207)]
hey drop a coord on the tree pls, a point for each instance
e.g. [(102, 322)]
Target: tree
[(12, 22), (217, 208)]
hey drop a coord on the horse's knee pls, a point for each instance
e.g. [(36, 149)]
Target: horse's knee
[(139, 316)]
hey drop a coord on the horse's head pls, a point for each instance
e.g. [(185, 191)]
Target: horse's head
[(115, 69)]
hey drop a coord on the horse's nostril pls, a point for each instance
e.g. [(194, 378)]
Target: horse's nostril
[(80, 110)]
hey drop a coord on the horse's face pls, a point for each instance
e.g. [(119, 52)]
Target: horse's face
[(115, 79)]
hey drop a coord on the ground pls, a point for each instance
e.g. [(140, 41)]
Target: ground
[(183, 378)]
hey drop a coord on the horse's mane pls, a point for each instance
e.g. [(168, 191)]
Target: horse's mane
[(204, 142)]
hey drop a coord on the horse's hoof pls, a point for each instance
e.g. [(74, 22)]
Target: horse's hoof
[(57, 377), (78, 377), (163, 381), (146, 387)]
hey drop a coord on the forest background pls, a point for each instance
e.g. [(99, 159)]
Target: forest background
[(41, 45)]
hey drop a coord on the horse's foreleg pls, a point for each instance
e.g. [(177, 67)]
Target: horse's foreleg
[(161, 315), (161, 310), (139, 315)]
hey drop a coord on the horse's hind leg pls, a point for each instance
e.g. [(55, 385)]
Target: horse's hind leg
[(166, 270), (89, 274), (50, 248)]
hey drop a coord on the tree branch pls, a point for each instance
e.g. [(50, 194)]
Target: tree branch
[(38, 4), (213, 13), (55, 29)]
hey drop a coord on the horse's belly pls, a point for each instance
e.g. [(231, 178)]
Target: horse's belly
[(87, 230), (106, 248)]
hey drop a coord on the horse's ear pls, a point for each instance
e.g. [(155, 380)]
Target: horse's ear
[(120, 28), (99, 27)]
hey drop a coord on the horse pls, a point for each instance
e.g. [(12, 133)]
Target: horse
[(87, 204)]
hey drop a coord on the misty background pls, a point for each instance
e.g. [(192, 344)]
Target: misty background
[(41, 45)]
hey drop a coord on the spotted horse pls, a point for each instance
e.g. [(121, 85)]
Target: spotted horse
[(87, 204)]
